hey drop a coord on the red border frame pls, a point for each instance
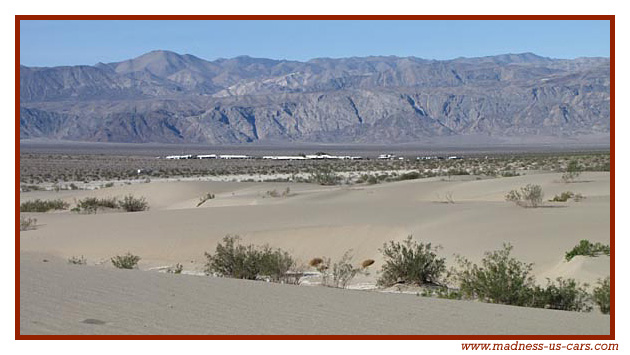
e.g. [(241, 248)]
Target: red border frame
[(610, 18)]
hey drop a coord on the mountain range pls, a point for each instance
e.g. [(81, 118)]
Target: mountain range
[(165, 97)]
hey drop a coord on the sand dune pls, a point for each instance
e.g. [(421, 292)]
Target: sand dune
[(313, 221), (326, 221), (58, 298)]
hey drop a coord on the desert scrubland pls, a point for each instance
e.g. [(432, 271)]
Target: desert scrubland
[(459, 205)]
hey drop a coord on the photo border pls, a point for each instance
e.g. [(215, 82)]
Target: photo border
[(610, 18)]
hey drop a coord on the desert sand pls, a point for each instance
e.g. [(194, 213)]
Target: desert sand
[(57, 298), (313, 221)]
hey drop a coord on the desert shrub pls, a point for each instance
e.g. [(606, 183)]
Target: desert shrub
[(127, 261), (371, 180), (177, 269), (316, 262), (509, 173), (276, 264), (130, 203), (587, 248), (563, 294), (325, 176), (77, 260), (572, 172), (500, 278), (204, 198), (27, 188), (448, 293), (27, 223), (578, 197), (232, 259), (601, 295), (448, 198), (412, 175), (456, 172), (528, 196), (563, 197), (275, 193), (367, 263), (43, 205), (93, 204), (410, 262), (272, 193), (340, 273)]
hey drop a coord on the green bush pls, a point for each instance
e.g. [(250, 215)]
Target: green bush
[(572, 172), (27, 223), (276, 264), (601, 295), (93, 204), (43, 205), (506, 280), (528, 196), (564, 197), (563, 294), (232, 259), (587, 248), (410, 262), (130, 203), (500, 278), (127, 261)]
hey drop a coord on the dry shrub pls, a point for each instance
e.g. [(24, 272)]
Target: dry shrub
[(27, 223), (315, 262), (367, 263)]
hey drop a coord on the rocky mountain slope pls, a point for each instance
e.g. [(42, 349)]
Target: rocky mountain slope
[(166, 97)]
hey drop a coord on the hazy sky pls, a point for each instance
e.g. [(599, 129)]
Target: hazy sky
[(51, 43)]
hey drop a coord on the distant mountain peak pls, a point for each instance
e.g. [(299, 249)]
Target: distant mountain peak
[(163, 96)]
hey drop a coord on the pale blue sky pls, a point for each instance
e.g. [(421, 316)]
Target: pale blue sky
[(52, 43)]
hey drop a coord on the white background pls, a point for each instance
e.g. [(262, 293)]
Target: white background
[(185, 7)]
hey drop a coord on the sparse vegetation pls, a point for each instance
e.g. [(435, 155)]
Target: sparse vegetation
[(562, 294), (587, 248), (572, 172), (411, 262), (500, 278), (506, 280), (74, 260), (412, 175), (232, 259), (130, 203), (127, 261), (274, 193), (528, 196), (325, 176), (27, 223), (93, 204), (204, 198), (176, 269), (448, 198), (340, 273), (601, 295), (43, 205), (563, 197)]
